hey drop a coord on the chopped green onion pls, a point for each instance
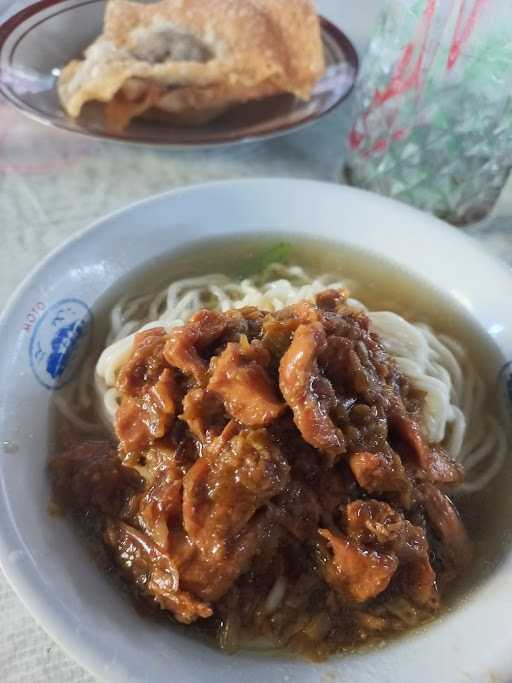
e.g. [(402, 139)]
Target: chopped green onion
[(277, 253)]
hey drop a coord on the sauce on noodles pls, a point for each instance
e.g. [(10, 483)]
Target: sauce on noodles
[(385, 289)]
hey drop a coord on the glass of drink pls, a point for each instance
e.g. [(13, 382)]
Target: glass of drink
[(433, 107)]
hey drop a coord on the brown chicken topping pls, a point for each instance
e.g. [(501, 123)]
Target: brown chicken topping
[(272, 475)]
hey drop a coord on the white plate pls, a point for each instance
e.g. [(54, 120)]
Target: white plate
[(41, 555), (38, 41)]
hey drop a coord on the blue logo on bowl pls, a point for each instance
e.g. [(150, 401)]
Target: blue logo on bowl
[(59, 342)]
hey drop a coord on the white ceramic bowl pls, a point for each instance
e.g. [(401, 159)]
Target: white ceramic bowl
[(42, 557)]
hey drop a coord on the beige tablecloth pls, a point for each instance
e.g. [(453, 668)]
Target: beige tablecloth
[(53, 183)]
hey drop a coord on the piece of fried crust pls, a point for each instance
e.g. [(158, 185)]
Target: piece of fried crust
[(191, 59)]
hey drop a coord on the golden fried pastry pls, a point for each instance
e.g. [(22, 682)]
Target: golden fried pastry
[(188, 60)]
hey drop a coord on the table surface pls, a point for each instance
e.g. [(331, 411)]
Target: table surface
[(53, 183)]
